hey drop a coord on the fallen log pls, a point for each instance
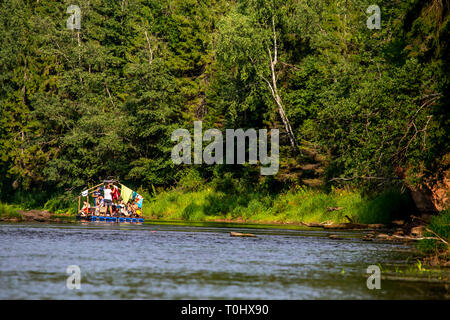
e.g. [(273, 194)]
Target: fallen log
[(238, 234), (312, 224), (412, 238), (439, 237), (383, 236), (346, 226)]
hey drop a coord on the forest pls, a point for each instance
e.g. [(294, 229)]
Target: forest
[(362, 111)]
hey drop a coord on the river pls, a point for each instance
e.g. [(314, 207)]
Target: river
[(163, 261)]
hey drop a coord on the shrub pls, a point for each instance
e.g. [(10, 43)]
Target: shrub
[(440, 224)]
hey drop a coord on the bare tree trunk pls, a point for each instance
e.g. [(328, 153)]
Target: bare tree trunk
[(150, 59), (79, 55), (274, 90)]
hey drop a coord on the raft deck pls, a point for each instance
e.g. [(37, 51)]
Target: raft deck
[(111, 219)]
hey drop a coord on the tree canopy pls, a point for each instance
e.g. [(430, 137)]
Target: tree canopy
[(77, 106)]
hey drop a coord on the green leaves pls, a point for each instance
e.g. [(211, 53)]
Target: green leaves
[(76, 107)]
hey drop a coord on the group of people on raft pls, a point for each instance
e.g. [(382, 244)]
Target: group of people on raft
[(108, 202)]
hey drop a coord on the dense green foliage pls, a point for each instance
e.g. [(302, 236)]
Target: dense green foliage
[(77, 106)]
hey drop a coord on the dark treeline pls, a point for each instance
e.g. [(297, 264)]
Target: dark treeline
[(77, 106)]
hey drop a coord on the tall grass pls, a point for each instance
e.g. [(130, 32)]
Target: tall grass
[(300, 205), (66, 203), (9, 211)]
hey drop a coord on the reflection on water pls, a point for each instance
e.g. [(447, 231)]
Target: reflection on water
[(194, 262)]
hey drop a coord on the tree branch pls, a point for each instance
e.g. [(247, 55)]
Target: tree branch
[(363, 177)]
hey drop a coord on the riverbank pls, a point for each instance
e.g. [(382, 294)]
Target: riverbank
[(386, 217), (210, 203), (12, 213)]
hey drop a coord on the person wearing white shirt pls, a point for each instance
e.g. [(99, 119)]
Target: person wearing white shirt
[(108, 198)]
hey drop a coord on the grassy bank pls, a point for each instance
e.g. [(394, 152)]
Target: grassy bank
[(234, 202), (8, 211), (15, 213), (300, 205)]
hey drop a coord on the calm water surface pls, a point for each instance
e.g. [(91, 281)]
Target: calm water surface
[(187, 262)]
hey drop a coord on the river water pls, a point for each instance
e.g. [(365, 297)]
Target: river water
[(154, 261)]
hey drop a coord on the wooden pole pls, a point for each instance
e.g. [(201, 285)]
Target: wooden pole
[(95, 186), (79, 202)]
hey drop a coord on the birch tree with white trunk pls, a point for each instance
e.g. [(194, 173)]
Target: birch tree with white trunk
[(249, 42)]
